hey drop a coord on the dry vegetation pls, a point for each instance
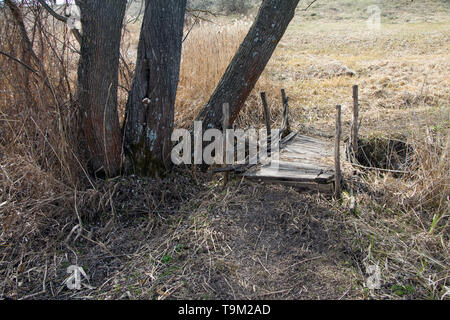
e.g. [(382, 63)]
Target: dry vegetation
[(185, 237)]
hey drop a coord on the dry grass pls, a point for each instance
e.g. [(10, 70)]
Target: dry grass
[(208, 48), (207, 51), (185, 237)]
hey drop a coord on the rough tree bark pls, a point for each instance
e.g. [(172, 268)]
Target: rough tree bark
[(150, 108), (249, 62), (98, 81)]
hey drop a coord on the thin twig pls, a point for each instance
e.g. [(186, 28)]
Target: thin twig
[(308, 6), (380, 169), (20, 62), (61, 18)]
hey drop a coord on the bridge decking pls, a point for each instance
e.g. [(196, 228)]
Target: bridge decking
[(304, 162)]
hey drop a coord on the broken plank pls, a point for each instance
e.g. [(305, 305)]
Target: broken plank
[(298, 166), (298, 175)]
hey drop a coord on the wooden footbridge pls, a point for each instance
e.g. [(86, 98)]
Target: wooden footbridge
[(302, 161)]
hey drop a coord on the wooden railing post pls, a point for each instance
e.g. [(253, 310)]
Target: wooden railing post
[(285, 128), (337, 154), (226, 126), (269, 130), (355, 124)]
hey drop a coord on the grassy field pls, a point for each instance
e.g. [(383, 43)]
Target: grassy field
[(185, 237)]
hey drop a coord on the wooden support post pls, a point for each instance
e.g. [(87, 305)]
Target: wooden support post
[(225, 125), (285, 128), (337, 154), (355, 124), (352, 193), (269, 130)]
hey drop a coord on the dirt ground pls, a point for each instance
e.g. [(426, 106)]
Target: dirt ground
[(257, 242), (157, 240)]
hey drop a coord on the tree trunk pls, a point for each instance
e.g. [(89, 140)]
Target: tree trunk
[(249, 62), (150, 107), (98, 81)]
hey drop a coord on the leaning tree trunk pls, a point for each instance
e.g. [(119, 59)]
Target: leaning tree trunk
[(101, 23), (249, 62), (150, 107)]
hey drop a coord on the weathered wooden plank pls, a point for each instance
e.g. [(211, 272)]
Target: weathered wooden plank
[(298, 175), (313, 164), (313, 141), (307, 146), (320, 160), (305, 153), (302, 161), (307, 166), (309, 141), (295, 145)]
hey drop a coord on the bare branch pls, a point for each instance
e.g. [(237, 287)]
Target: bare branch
[(195, 13), (191, 11), (61, 18), (309, 6), (190, 29), (20, 62), (53, 12)]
